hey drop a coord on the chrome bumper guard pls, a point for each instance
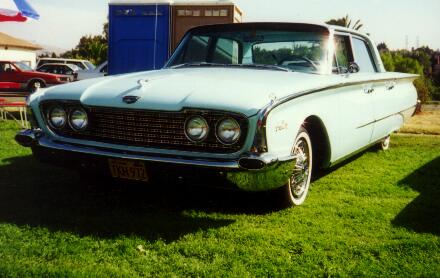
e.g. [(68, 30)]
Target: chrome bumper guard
[(249, 172)]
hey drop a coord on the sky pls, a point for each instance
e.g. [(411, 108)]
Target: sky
[(63, 22)]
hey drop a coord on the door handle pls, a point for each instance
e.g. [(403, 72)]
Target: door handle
[(390, 85), (368, 89)]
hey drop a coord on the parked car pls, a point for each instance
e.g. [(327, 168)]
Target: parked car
[(82, 64), (18, 72), (99, 71), (64, 69), (9, 86), (257, 105)]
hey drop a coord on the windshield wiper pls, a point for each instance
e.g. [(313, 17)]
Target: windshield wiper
[(205, 64), (197, 64), (259, 66)]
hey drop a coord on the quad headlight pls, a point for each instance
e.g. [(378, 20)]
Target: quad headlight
[(78, 119), (57, 117), (228, 131), (196, 128)]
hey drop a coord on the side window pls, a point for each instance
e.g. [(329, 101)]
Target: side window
[(343, 54), (7, 67), (43, 69), (226, 52), (60, 69), (363, 56), (41, 62), (67, 70)]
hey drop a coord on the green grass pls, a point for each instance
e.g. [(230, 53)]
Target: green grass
[(378, 215)]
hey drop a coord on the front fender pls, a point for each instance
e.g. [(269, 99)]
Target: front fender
[(282, 122)]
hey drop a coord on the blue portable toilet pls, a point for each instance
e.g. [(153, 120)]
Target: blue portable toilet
[(139, 35)]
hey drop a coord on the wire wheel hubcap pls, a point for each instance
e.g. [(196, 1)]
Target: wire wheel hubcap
[(300, 176)]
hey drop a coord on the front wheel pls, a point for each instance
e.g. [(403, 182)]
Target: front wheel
[(295, 191)]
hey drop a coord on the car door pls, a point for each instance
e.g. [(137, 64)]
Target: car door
[(356, 103), (383, 95), (3, 72), (9, 73)]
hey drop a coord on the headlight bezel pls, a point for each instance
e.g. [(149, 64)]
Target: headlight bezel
[(217, 133), (70, 120), (206, 134), (49, 117)]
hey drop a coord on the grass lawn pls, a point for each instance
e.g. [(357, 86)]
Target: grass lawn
[(426, 122), (378, 215)]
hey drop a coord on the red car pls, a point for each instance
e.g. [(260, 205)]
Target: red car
[(27, 78)]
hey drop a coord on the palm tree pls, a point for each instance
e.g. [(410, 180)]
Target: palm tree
[(346, 22)]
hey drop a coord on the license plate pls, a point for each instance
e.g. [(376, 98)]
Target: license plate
[(128, 169)]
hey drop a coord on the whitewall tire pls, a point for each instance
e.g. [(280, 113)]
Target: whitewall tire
[(297, 187)]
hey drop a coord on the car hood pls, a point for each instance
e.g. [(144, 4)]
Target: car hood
[(239, 90)]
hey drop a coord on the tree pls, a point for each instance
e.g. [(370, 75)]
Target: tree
[(93, 48), (382, 47), (401, 61), (346, 22)]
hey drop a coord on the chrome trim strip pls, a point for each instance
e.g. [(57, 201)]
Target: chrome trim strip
[(386, 117), (260, 143), (44, 142), (213, 163)]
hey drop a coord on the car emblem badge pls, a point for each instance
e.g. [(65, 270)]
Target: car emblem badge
[(130, 99)]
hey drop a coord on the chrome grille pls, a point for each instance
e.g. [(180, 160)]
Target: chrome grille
[(153, 129)]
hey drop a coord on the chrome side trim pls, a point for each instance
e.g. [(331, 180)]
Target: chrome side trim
[(260, 142), (386, 117)]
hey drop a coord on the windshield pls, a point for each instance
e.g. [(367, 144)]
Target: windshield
[(23, 66), (304, 51)]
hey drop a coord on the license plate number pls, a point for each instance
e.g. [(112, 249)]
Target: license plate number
[(128, 169)]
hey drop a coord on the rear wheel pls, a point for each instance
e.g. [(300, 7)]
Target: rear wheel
[(34, 85), (295, 191), (385, 143)]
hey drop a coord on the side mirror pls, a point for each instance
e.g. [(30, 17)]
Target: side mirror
[(353, 67)]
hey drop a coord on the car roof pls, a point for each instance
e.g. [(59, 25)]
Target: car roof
[(62, 59), (59, 64), (54, 64), (281, 26)]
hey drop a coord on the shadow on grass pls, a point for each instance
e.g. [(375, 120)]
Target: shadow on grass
[(320, 173), (423, 213), (40, 195)]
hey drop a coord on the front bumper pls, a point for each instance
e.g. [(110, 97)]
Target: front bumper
[(250, 172)]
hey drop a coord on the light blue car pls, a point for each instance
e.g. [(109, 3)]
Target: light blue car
[(259, 106)]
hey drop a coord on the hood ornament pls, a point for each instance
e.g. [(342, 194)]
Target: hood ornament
[(142, 82), (130, 99)]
